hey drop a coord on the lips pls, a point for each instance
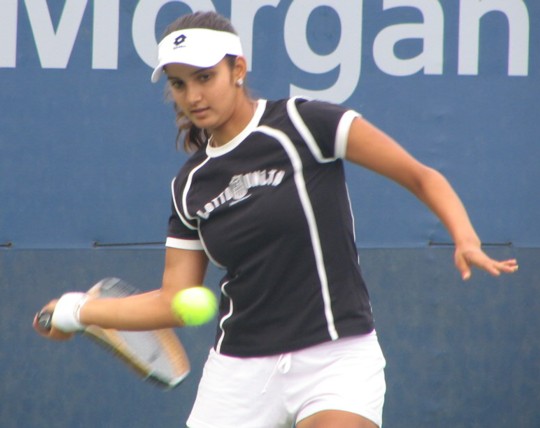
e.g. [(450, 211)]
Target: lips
[(199, 111)]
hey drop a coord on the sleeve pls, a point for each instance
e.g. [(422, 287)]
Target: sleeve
[(181, 233), (324, 126)]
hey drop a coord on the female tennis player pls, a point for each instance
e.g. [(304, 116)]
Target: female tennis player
[(263, 195)]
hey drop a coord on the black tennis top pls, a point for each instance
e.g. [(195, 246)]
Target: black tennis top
[(271, 208)]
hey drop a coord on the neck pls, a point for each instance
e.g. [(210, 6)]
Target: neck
[(240, 118)]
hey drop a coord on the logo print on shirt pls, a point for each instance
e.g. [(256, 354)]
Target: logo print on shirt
[(239, 186), (239, 189)]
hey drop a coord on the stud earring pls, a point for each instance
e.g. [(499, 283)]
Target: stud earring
[(239, 82)]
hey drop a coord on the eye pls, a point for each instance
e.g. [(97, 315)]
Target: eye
[(204, 77), (176, 83)]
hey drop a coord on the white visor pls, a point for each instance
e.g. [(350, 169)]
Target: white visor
[(199, 47)]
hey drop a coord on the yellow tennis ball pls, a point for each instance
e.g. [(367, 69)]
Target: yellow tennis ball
[(195, 305)]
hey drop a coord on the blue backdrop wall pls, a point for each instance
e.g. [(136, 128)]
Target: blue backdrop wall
[(87, 154)]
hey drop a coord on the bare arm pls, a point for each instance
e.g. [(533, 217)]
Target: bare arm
[(373, 149), (146, 311)]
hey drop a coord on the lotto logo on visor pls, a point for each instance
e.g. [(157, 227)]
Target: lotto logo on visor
[(199, 47), (179, 40)]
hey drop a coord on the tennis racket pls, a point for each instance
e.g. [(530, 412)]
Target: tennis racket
[(157, 356)]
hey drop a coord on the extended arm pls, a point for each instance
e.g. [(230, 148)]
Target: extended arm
[(146, 311), (373, 149)]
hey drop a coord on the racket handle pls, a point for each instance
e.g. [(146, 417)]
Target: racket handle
[(44, 320)]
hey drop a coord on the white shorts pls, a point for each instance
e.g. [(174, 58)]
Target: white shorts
[(279, 391)]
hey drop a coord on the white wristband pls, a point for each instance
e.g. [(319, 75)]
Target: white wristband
[(66, 313)]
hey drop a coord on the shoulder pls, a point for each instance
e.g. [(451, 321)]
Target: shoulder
[(322, 123), (318, 109), (309, 111)]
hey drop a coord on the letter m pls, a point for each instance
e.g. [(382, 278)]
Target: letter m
[(55, 46)]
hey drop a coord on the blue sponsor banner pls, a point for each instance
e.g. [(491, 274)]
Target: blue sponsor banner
[(87, 143)]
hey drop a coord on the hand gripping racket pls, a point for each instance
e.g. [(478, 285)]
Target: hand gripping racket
[(157, 356)]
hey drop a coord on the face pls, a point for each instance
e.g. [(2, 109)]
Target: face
[(207, 96)]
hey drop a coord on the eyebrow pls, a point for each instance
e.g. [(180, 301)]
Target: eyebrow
[(193, 73), (201, 70)]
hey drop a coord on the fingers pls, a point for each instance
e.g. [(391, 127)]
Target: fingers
[(49, 332), (477, 258), (463, 267), (38, 324), (496, 268), (507, 266), (53, 333)]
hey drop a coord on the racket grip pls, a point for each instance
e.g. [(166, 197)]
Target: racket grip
[(44, 320)]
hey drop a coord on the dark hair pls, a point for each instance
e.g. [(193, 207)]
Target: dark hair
[(193, 137), (209, 20)]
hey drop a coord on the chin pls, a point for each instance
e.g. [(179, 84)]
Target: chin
[(203, 123)]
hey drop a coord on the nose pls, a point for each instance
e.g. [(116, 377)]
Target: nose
[(193, 94)]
